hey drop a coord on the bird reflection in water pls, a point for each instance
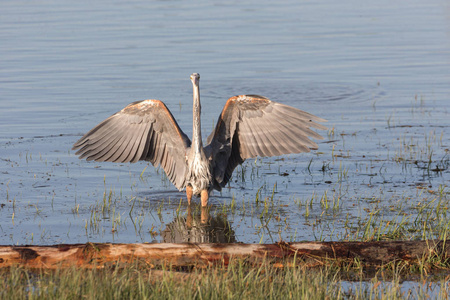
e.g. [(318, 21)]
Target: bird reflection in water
[(199, 227)]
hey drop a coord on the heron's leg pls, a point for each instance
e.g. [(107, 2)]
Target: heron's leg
[(204, 217), (189, 218), (204, 195), (189, 192)]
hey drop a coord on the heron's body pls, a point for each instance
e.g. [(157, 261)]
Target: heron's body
[(248, 126)]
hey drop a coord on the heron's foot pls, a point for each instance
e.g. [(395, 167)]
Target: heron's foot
[(189, 193), (204, 196)]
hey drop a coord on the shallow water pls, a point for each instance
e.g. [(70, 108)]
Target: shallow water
[(379, 72)]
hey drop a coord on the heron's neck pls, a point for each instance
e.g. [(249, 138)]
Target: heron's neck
[(197, 144)]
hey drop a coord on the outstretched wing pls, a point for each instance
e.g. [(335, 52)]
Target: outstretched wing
[(144, 130), (252, 125)]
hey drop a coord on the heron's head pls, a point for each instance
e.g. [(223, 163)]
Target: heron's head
[(195, 78)]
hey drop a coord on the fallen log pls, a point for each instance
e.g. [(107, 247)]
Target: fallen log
[(100, 255)]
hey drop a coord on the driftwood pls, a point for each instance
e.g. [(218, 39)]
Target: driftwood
[(311, 253)]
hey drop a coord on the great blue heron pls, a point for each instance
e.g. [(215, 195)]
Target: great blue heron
[(249, 126)]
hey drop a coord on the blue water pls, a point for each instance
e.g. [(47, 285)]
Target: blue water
[(378, 71)]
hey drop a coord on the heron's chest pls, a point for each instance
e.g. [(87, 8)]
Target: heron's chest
[(199, 174)]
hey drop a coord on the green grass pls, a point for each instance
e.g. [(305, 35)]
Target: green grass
[(237, 281)]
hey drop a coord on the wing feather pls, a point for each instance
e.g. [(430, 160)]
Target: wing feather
[(258, 138), (159, 150), (122, 146), (144, 130), (111, 151), (130, 149), (140, 143), (249, 138), (104, 151), (252, 125), (294, 133), (98, 145)]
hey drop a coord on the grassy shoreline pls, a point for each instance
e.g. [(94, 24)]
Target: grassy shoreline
[(239, 280)]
